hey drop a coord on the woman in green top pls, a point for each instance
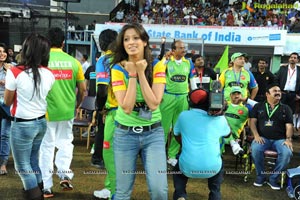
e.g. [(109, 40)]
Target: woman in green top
[(138, 87)]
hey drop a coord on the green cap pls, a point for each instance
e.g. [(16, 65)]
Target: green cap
[(236, 55), (235, 89)]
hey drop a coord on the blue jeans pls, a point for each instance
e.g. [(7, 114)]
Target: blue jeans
[(4, 141), (25, 140), (284, 155), (151, 146), (180, 181)]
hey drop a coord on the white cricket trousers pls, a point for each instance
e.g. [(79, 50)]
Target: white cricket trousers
[(59, 134)]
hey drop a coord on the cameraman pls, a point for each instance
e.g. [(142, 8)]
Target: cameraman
[(199, 140)]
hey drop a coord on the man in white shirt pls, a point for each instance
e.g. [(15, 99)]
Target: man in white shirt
[(289, 81), (85, 63), (120, 15)]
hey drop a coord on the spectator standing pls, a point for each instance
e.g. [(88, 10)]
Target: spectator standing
[(144, 17), (288, 77), (107, 104), (229, 19), (85, 63), (18, 57), (26, 88), (90, 78), (203, 72), (247, 65), (179, 71), (90, 82), (120, 15), (264, 78), (271, 123), (138, 88), (60, 114), (4, 118), (92, 26), (190, 19), (11, 56), (199, 140), (295, 27)]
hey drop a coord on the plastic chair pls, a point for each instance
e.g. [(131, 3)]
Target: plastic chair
[(81, 120)]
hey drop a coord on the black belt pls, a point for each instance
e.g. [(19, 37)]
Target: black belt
[(15, 119), (139, 129)]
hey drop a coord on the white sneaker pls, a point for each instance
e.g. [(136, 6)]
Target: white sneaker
[(236, 149), (104, 193), (172, 161)]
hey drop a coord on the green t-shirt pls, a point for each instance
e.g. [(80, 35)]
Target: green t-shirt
[(177, 76), (229, 78), (61, 99), (120, 83), (236, 116)]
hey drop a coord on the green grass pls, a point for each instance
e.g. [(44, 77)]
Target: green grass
[(87, 179)]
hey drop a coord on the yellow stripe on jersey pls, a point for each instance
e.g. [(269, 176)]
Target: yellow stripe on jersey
[(118, 80), (159, 72)]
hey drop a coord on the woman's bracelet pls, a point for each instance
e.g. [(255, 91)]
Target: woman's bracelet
[(132, 75)]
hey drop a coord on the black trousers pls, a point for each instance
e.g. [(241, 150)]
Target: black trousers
[(290, 100), (98, 142), (180, 181)]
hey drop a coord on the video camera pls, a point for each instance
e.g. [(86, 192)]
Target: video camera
[(216, 97)]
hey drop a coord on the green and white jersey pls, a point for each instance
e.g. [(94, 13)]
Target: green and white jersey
[(61, 99)]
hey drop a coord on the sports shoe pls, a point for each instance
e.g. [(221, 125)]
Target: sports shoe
[(273, 185), (48, 193), (65, 183), (99, 165), (172, 161), (236, 148), (259, 183), (102, 194)]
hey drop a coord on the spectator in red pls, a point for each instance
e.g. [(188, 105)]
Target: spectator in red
[(229, 19)]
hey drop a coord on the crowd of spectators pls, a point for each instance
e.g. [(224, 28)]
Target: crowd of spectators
[(194, 12)]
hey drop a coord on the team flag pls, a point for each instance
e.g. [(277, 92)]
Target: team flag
[(223, 62)]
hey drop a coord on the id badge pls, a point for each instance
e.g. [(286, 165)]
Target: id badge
[(145, 114), (269, 123)]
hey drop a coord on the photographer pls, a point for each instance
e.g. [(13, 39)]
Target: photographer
[(199, 140)]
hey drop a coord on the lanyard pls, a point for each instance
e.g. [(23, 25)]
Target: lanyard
[(291, 75), (237, 80), (268, 112), (200, 77)]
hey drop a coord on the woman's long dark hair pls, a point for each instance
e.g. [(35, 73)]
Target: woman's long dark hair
[(120, 53), (35, 53)]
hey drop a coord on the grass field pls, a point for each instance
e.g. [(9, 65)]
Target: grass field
[(87, 179)]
